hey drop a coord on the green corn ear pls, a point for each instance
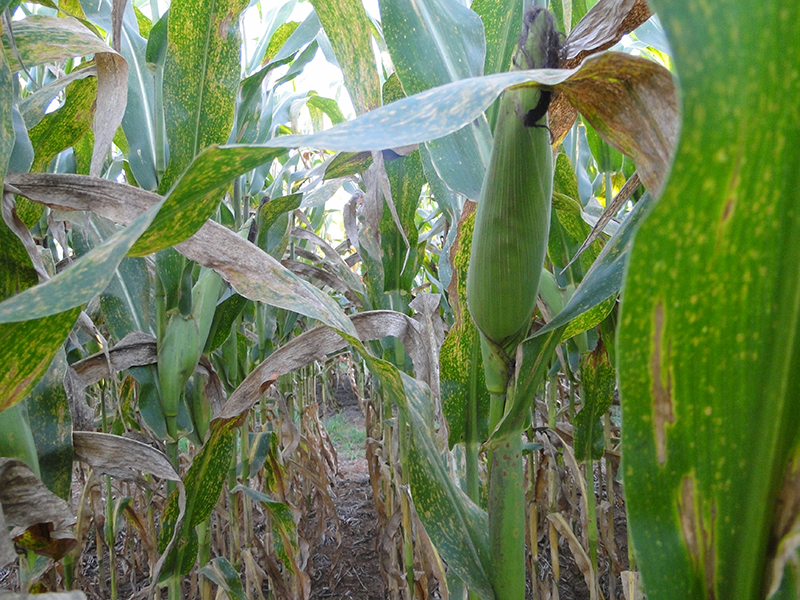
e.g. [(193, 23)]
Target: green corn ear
[(178, 354), (513, 215)]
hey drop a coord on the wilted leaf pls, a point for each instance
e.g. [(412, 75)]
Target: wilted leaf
[(112, 96), (317, 344), (39, 518), (121, 457), (602, 27), (135, 349), (41, 39), (253, 273)]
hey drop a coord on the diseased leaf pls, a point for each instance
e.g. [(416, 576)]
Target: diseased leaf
[(598, 381), (27, 349), (63, 128), (461, 374), (79, 283), (203, 484), (39, 518), (201, 78), (51, 425), (348, 28), (707, 347), (629, 100)]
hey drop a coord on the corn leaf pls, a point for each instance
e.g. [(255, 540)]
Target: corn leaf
[(201, 78), (349, 29), (433, 43), (708, 347), (138, 121), (51, 425)]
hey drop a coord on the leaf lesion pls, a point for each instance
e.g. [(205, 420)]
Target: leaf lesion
[(660, 360), (697, 530)]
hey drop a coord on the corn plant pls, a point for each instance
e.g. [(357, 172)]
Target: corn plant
[(708, 296)]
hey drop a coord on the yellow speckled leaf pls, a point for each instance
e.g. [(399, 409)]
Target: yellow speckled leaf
[(201, 78)]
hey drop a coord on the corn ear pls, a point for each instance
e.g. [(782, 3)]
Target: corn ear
[(508, 249), (178, 354), (513, 216)]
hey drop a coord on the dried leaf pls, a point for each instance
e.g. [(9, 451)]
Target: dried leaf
[(121, 457), (135, 349), (602, 27), (40, 519), (112, 97), (578, 553), (631, 102)]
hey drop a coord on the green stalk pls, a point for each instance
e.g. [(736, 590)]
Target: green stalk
[(471, 441), (591, 517)]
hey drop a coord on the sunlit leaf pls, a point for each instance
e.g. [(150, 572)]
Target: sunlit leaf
[(707, 345), (348, 28), (201, 78)]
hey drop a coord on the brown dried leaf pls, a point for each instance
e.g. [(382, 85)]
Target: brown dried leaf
[(578, 553), (251, 271), (121, 457), (135, 349), (317, 344), (631, 102), (112, 97), (602, 27), (40, 519)]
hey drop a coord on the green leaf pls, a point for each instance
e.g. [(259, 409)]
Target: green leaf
[(41, 39), (400, 258), (26, 350), (203, 484), (16, 269), (434, 43), (156, 52), (63, 128), (16, 437), (126, 302), (502, 23), (598, 381), (707, 348), (349, 29), (51, 425), (604, 279), (329, 106), (22, 155), (226, 313), (195, 196), (201, 78), (221, 572)]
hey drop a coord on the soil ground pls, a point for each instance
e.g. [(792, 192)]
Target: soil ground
[(350, 569)]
